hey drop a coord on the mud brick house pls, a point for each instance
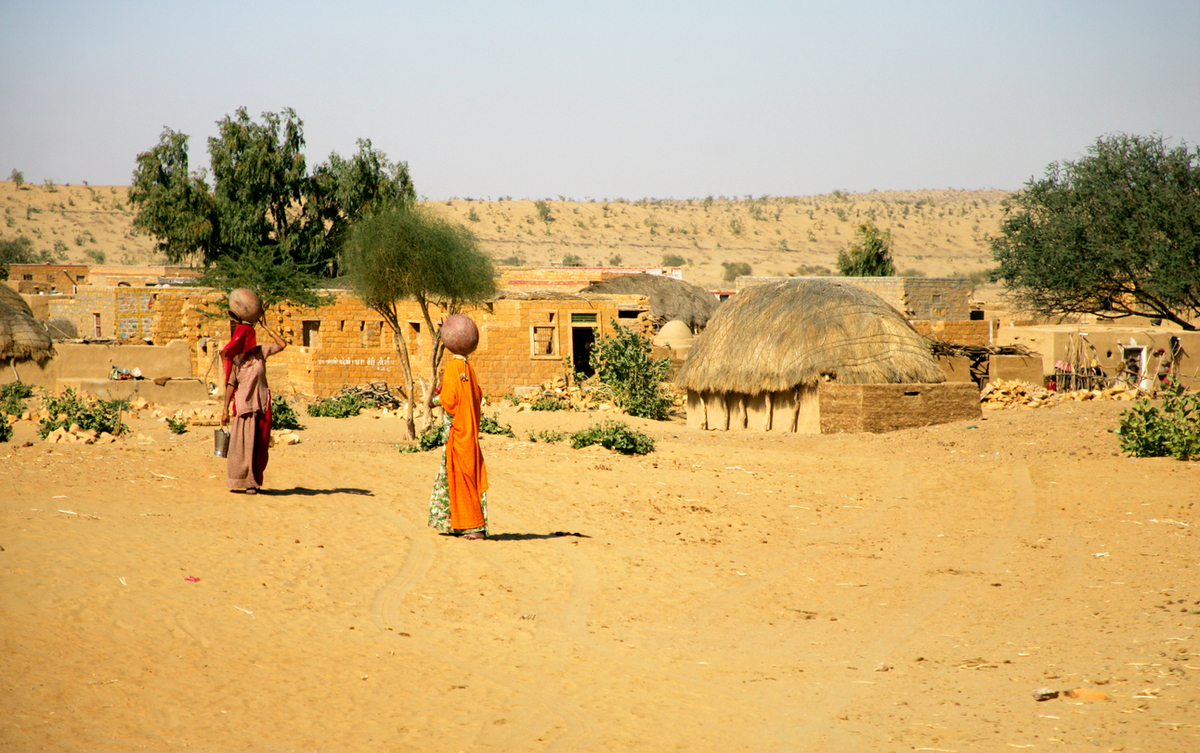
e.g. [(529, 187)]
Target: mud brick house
[(525, 337)]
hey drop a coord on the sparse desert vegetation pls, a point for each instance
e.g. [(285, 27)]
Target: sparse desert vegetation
[(934, 233)]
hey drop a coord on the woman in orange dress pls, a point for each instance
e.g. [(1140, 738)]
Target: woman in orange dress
[(458, 505)]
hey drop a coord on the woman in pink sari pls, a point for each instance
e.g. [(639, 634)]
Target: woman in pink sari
[(248, 403)]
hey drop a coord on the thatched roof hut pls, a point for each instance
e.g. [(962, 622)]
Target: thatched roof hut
[(796, 333), (22, 337), (669, 298)]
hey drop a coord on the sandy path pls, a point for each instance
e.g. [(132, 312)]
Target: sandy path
[(727, 592)]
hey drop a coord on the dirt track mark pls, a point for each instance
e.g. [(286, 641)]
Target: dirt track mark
[(728, 599), (420, 556), (385, 604), (825, 735)]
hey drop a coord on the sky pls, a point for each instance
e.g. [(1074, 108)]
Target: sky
[(604, 100)]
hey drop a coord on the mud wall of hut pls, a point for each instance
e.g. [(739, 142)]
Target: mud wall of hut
[(830, 408), (878, 408)]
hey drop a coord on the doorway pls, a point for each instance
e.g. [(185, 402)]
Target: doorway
[(582, 339)]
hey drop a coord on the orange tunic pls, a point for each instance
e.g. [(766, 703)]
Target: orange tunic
[(465, 473)]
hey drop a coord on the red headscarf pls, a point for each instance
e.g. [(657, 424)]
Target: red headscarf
[(243, 341)]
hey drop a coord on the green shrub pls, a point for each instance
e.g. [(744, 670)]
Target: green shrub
[(615, 435), (342, 406), (283, 415), (432, 438), (176, 425), (1170, 430), (491, 425), (550, 403), (735, 269), (68, 408), (12, 397), (673, 260), (623, 363)]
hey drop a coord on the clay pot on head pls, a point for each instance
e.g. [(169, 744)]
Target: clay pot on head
[(460, 335), (245, 305)]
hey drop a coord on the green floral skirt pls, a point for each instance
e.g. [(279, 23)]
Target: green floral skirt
[(439, 501)]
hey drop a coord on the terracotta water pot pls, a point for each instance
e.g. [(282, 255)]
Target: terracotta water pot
[(245, 305), (460, 335)]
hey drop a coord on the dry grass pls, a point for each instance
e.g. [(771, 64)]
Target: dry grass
[(775, 336), (669, 298)]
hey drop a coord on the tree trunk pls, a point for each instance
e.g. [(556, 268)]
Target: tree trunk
[(401, 346), (435, 339)]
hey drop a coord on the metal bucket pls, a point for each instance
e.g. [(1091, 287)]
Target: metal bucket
[(221, 443)]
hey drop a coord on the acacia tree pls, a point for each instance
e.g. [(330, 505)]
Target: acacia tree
[(871, 256), (264, 223), (406, 252), (1115, 233)]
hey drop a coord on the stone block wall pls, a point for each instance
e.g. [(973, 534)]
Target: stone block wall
[(962, 332), (571, 279), (524, 339), (44, 278)]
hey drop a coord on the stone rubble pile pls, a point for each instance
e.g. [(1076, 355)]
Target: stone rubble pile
[(587, 397), (76, 435), (1003, 393)]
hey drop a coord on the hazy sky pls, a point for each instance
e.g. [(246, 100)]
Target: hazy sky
[(607, 99)]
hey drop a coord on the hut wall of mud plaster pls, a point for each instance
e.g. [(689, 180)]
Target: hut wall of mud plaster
[(1112, 346), (830, 408)]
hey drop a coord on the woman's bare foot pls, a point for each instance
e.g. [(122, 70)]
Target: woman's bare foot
[(473, 536), (252, 491)]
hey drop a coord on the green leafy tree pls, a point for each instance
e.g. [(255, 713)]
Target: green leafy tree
[(871, 256), (19, 250), (18, 177), (1115, 233), (263, 212), (409, 253)]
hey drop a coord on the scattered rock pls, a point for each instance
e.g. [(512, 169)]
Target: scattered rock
[(1044, 694)]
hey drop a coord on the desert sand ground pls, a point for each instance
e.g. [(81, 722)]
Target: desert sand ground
[(727, 592), (935, 233)]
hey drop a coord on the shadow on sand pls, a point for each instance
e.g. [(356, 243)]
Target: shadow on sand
[(305, 492), (531, 536)]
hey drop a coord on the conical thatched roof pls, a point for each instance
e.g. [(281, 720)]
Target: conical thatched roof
[(776, 336), (669, 298), (21, 336)]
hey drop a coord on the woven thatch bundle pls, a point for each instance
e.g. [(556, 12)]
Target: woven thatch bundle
[(669, 298), (777, 336), (22, 337)]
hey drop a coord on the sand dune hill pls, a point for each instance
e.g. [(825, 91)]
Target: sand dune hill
[(935, 233)]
